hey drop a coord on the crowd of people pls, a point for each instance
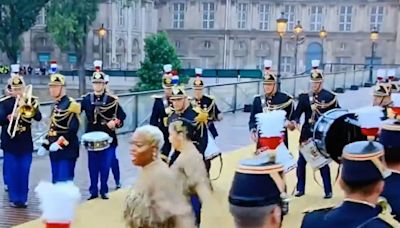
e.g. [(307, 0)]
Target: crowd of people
[(175, 151)]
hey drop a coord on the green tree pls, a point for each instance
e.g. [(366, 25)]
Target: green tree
[(69, 21), (16, 17), (159, 51)]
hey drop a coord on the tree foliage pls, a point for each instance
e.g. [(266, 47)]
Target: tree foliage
[(69, 21), (158, 51), (16, 17)]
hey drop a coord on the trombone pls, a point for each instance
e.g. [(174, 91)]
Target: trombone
[(25, 110)]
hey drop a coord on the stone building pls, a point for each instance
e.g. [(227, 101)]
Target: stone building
[(121, 47), (242, 33)]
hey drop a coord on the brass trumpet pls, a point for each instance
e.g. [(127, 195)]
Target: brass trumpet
[(23, 107)]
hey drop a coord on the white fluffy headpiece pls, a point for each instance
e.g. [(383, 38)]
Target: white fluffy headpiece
[(370, 117), (396, 99), (271, 124), (58, 201)]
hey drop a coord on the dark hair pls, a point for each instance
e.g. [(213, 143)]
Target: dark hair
[(362, 187), (392, 155)]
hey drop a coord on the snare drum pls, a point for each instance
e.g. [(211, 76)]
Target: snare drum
[(96, 141), (313, 156), (212, 150), (284, 157)]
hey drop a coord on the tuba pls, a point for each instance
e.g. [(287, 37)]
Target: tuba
[(24, 108)]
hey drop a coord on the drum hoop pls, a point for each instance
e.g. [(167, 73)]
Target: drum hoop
[(325, 133)]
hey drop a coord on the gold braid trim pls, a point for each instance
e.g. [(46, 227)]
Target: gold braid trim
[(279, 106), (386, 213)]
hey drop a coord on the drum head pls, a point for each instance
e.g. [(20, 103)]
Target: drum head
[(333, 131), (95, 136)]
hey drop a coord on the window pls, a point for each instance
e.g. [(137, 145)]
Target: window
[(208, 15), (41, 18), (134, 11), (241, 45), (121, 11), (178, 15), (289, 14), (207, 44), (286, 66), (263, 46), (242, 15), (376, 17), (177, 44), (345, 18), (316, 18), (342, 46), (264, 13)]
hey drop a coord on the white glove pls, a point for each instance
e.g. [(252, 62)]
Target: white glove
[(54, 147), (42, 151)]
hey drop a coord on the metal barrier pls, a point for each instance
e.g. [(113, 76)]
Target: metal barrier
[(230, 98)]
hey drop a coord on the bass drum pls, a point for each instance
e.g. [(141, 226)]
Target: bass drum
[(335, 129)]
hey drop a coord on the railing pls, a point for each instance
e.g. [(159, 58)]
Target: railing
[(230, 98)]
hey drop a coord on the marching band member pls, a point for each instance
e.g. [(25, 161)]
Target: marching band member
[(162, 107), (382, 92), (389, 138), (61, 139), (313, 105), (271, 100), (260, 206), (206, 102), (157, 199), (114, 163), (189, 168), (7, 94), (362, 180), (16, 115), (103, 113), (58, 203), (183, 109)]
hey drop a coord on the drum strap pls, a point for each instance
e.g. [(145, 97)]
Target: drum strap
[(221, 162), (333, 182)]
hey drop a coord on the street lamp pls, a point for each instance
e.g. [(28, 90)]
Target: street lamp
[(281, 27), (374, 36), (102, 33), (297, 32), (322, 34)]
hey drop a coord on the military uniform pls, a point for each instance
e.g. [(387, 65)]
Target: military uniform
[(362, 166), (207, 103), (114, 162), (162, 108), (100, 109), (382, 92), (313, 106), (61, 139), (197, 116), (257, 183), (275, 101), (18, 146), (389, 137)]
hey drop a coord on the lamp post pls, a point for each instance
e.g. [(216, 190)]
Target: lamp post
[(102, 34), (281, 27), (322, 34), (374, 36), (297, 32)]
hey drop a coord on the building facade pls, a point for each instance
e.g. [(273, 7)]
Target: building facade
[(242, 33), (120, 48)]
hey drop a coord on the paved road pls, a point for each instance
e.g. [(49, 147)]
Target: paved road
[(233, 135)]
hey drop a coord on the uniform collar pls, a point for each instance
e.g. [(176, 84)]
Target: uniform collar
[(151, 165), (62, 99), (354, 201)]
